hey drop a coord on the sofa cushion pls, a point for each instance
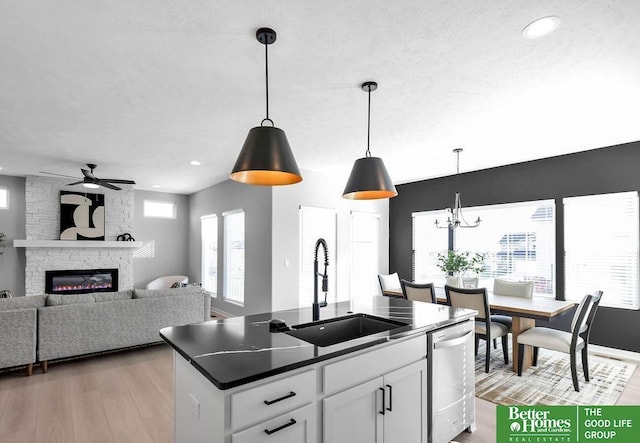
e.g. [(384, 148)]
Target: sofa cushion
[(113, 296), (151, 293), (32, 301), (69, 299)]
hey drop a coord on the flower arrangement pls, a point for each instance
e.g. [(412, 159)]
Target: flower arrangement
[(457, 263)]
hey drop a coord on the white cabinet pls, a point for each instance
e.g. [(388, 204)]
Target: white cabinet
[(388, 409)]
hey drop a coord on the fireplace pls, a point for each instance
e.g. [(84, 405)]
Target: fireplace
[(81, 281)]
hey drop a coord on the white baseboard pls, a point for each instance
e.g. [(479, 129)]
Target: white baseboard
[(221, 313), (618, 354)]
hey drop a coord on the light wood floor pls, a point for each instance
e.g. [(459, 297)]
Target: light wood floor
[(122, 397), (128, 397)]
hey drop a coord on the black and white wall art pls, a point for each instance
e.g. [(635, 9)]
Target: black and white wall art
[(81, 216)]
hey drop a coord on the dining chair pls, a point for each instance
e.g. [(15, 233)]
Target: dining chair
[(470, 282), (512, 289), (389, 282), (418, 291), (476, 298), (562, 341)]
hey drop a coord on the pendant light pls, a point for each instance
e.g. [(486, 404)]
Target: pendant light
[(266, 158), (369, 178)]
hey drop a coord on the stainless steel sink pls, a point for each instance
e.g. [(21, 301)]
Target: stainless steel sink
[(337, 330)]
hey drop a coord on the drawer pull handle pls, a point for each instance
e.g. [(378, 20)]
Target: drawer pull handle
[(289, 395), (280, 428)]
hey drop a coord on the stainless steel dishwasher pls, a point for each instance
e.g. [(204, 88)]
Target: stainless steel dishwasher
[(451, 362)]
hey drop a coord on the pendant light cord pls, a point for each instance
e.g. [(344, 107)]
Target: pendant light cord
[(368, 153), (457, 171), (266, 77)]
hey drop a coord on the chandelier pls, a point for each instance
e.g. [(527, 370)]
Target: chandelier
[(455, 218)]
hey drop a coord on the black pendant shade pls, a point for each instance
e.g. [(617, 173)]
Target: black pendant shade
[(266, 159), (369, 179)]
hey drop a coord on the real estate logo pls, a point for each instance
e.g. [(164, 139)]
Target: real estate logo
[(545, 424)]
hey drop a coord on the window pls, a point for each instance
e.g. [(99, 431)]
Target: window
[(428, 242), (4, 199), (209, 237), (234, 256), (365, 264), (518, 241), (159, 209), (316, 223), (601, 248)]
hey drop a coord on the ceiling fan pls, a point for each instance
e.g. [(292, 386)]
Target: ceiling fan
[(91, 181)]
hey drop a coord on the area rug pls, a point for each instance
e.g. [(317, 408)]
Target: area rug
[(550, 383)]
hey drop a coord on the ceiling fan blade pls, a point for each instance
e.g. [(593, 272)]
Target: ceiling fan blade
[(59, 175), (107, 185), (88, 174), (116, 180), (75, 183)]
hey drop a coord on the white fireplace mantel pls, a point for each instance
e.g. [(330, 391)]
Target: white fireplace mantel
[(75, 244)]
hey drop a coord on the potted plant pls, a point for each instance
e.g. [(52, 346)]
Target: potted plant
[(455, 264)]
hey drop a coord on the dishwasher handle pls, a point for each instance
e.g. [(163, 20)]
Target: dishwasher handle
[(451, 343)]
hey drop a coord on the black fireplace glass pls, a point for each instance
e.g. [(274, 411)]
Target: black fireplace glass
[(81, 281)]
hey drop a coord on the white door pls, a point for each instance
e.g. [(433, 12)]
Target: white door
[(353, 416), (405, 419)]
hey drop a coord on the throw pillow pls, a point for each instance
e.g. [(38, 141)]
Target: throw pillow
[(32, 301), (151, 293), (69, 299), (113, 296)]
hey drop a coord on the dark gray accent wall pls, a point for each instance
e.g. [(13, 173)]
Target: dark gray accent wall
[(256, 201), (166, 241), (598, 171), (12, 223)]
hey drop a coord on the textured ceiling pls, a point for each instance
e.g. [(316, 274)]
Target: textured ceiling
[(143, 87)]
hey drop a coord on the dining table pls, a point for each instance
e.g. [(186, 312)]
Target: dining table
[(523, 311)]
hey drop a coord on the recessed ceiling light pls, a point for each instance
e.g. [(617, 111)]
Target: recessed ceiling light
[(541, 27), (0, 167), (195, 163), (156, 186)]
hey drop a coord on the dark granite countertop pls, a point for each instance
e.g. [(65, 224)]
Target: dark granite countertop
[(239, 350)]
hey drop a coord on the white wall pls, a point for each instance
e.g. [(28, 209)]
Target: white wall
[(324, 191)]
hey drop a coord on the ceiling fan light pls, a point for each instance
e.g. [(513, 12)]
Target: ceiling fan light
[(266, 159), (91, 185), (369, 180)]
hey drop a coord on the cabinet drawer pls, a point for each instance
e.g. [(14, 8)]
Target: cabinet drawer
[(271, 399), (363, 367), (298, 426)]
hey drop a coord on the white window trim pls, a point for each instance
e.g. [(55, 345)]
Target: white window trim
[(202, 255), (6, 191), (225, 282)]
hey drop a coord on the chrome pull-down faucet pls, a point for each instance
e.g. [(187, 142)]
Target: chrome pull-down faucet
[(325, 279)]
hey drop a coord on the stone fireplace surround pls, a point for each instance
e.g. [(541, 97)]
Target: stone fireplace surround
[(42, 222)]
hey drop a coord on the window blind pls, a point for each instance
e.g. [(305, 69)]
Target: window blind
[(365, 262), (601, 248), (234, 256), (518, 241), (316, 223), (428, 242), (209, 241)]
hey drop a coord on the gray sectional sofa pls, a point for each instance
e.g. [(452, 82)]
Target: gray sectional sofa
[(61, 326)]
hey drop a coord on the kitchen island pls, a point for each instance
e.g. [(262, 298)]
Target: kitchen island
[(235, 381)]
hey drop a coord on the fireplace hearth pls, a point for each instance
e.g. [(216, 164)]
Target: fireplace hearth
[(81, 281)]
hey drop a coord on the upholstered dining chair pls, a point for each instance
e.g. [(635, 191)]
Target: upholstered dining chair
[(485, 329), (513, 289), (418, 291), (389, 282), (562, 341)]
